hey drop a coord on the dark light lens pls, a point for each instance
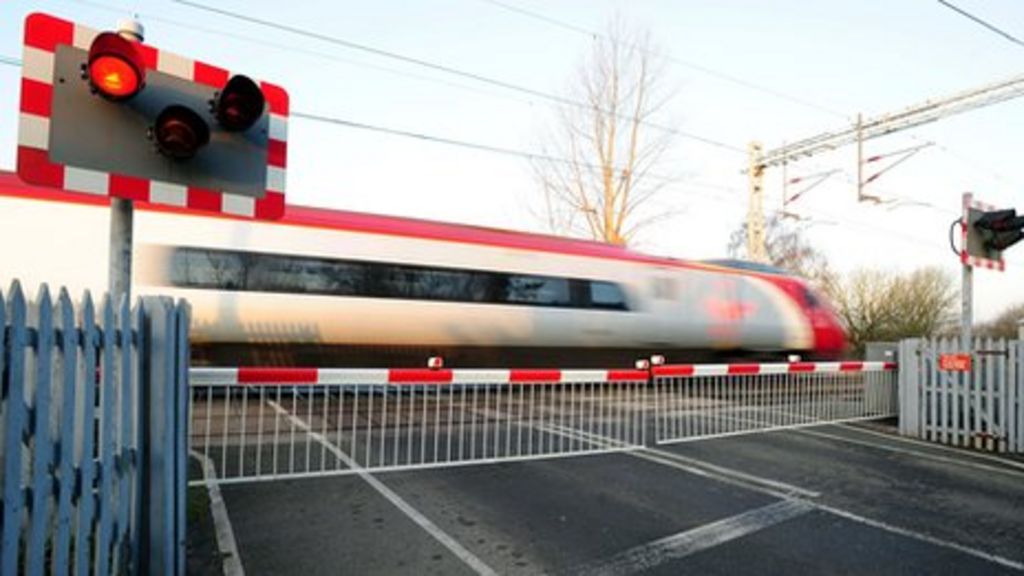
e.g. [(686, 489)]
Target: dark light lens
[(240, 104), (116, 69), (180, 132)]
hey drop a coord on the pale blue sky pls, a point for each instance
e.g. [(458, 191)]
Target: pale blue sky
[(872, 56)]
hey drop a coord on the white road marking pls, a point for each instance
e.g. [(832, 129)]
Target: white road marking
[(963, 452), (914, 453), (226, 545), (786, 489), (694, 466), (470, 559), (683, 544), (922, 537)]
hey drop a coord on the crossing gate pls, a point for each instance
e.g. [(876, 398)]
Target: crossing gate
[(267, 423), (694, 402), (979, 404)]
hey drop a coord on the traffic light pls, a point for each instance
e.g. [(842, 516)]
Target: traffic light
[(116, 69), (987, 232), (1000, 229), (104, 113)]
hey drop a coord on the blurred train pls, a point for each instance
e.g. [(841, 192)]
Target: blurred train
[(334, 288)]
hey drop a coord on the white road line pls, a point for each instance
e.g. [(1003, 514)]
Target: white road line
[(784, 488), (963, 452), (922, 537), (695, 466), (677, 546), (913, 453), (470, 559), (226, 545)]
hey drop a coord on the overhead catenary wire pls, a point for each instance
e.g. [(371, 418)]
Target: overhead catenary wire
[(562, 100), (528, 155), (493, 149), (263, 42), (669, 58), (983, 23)]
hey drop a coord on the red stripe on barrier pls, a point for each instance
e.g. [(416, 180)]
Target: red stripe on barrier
[(742, 369), (277, 98), (530, 376), (149, 55), (627, 376), (802, 367), (277, 153), (419, 376), (271, 206), (129, 187), (889, 366), (36, 98), (203, 199), (851, 366), (46, 32), (677, 370), (248, 375), (34, 166), (211, 76)]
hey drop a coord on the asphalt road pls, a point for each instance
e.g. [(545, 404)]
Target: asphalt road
[(833, 499)]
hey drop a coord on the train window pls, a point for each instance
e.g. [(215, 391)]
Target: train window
[(538, 290), (281, 273), (812, 300), (606, 295)]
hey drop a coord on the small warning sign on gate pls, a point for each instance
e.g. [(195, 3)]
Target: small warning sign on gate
[(955, 362)]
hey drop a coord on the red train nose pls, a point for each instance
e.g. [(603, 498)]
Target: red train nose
[(829, 336)]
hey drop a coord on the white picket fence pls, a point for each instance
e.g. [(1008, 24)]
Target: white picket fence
[(982, 408), (93, 472)]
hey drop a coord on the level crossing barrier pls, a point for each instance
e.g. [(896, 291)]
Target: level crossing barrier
[(694, 402), (267, 423)]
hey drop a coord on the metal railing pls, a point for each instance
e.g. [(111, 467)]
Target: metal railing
[(275, 423), (93, 477), (695, 402)]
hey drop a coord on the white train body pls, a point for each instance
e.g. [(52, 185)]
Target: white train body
[(614, 298)]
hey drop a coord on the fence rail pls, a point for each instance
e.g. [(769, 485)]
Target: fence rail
[(694, 402), (980, 408), (78, 478), (258, 424)]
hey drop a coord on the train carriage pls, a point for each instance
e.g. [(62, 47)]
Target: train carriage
[(340, 288)]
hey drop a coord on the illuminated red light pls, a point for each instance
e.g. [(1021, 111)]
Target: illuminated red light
[(116, 69), (114, 77)]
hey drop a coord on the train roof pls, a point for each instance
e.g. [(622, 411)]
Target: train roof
[(311, 217)]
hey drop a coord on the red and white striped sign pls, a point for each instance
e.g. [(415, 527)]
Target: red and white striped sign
[(398, 376), (43, 34), (965, 258)]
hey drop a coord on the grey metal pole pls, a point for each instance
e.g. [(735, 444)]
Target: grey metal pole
[(121, 217), (1020, 330), (122, 212), (966, 315)]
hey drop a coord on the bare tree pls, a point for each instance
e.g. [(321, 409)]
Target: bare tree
[(1005, 324), (882, 306), (788, 249), (596, 170)]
